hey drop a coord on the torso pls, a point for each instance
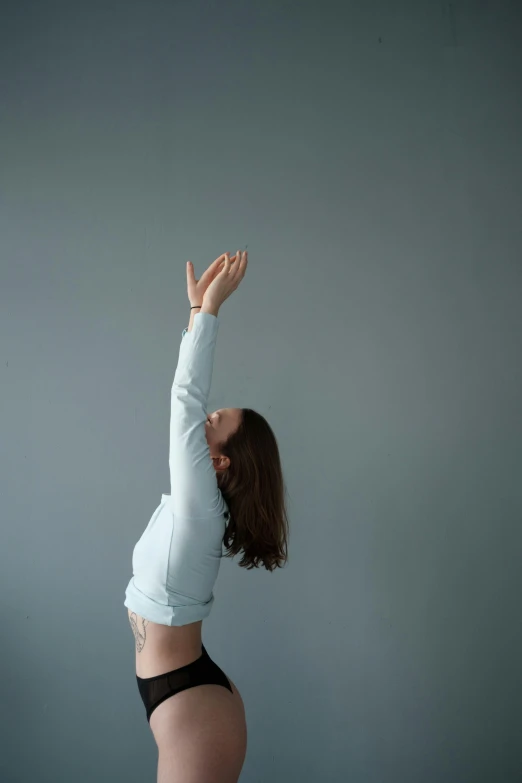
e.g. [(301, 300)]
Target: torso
[(162, 648), (208, 722)]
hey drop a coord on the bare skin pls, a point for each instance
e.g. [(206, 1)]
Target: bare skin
[(202, 729), (201, 736)]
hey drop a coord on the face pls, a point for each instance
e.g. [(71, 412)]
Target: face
[(219, 426)]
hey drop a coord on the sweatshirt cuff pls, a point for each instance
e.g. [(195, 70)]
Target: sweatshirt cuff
[(202, 318)]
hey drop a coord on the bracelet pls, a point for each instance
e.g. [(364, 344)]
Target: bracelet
[(192, 308)]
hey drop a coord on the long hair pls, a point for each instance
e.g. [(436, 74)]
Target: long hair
[(254, 490)]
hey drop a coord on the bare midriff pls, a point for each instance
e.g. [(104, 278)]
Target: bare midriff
[(162, 648)]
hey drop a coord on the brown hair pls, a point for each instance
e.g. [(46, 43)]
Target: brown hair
[(254, 490)]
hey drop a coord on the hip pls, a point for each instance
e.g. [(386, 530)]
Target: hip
[(197, 717)]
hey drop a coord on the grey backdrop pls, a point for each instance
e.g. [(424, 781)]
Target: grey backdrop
[(369, 155)]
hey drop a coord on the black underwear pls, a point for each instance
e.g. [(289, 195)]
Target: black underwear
[(202, 671)]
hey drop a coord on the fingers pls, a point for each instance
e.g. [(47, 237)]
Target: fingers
[(217, 264), (219, 260), (240, 269), (229, 271), (216, 267)]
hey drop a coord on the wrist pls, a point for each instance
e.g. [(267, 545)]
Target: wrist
[(193, 313), (210, 307)]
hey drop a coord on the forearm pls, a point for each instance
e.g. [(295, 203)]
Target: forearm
[(207, 307)]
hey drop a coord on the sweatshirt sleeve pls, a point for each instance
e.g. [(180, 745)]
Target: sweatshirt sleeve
[(194, 489)]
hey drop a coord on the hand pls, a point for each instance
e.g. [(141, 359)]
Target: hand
[(196, 288), (227, 280)]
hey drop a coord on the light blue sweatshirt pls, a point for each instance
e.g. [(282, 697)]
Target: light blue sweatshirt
[(176, 561)]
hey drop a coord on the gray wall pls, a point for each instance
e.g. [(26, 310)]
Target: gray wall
[(369, 155)]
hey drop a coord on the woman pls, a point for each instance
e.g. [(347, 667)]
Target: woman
[(226, 489)]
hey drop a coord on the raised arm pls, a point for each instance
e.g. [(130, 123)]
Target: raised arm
[(194, 489)]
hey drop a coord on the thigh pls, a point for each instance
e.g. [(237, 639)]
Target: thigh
[(201, 735)]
